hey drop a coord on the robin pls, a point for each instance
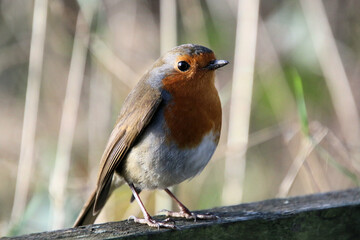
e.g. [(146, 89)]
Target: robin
[(166, 132)]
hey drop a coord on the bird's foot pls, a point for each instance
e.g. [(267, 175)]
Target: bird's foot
[(167, 223), (188, 215)]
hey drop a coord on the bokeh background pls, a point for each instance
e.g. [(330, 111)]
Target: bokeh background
[(290, 98)]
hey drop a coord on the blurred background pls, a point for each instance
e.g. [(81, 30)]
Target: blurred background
[(289, 95)]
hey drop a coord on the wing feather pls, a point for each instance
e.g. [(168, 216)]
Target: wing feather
[(136, 113)]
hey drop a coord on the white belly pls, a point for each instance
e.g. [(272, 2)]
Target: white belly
[(154, 163)]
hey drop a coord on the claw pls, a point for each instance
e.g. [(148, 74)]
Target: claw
[(184, 211), (154, 223)]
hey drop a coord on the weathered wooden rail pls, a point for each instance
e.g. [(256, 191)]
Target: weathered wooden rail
[(333, 215)]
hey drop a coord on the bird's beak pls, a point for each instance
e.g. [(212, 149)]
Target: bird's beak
[(215, 64)]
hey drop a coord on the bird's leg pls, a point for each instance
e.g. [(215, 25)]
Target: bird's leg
[(147, 218), (184, 211)]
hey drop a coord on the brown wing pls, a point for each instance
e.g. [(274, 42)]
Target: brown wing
[(136, 113)]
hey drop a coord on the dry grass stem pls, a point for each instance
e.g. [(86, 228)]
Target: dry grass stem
[(192, 17), (168, 25), (333, 69), (58, 183), (26, 161), (112, 63), (246, 35), (306, 147)]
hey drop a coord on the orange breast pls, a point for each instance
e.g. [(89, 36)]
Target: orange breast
[(194, 109)]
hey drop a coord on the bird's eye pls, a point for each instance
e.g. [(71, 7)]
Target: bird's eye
[(183, 66)]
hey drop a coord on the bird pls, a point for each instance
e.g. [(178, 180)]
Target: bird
[(166, 132)]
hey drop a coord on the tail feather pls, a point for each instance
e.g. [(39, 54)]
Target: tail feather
[(86, 215), (93, 206)]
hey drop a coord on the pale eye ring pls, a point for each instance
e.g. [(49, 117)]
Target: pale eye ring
[(183, 66)]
